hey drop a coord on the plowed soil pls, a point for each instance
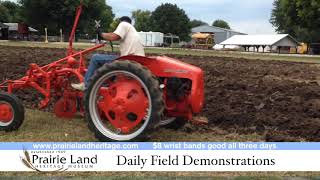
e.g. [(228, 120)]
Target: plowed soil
[(279, 100)]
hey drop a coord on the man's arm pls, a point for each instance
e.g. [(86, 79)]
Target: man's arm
[(110, 36)]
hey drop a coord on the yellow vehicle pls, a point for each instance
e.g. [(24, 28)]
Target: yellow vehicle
[(203, 40), (302, 49)]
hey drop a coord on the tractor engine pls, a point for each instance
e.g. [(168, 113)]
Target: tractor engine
[(176, 93), (178, 89), (183, 84)]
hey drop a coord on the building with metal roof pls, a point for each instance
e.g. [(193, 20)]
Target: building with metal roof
[(220, 34), (262, 41), (20, 31), (14, 27)]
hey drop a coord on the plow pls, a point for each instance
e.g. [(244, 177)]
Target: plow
[(124, 101)]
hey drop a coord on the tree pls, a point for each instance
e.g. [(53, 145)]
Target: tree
[(142, 20), (60, 14), (10, 12), (4, 15), (221, 23), (13, 10), (298, 18), (114, 25), (196, 23), (169, 18), (282, 15)]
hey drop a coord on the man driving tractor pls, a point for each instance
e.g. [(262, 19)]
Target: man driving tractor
[(130, 44)]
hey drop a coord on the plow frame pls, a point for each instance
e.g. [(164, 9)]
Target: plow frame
[(48, 78), (63, 67)]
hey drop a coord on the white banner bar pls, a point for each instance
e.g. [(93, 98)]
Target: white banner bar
[(159, 160)]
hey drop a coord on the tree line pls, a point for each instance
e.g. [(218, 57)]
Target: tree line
[(59, 14), (299, 18)]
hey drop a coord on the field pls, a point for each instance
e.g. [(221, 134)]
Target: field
[(246, 100)]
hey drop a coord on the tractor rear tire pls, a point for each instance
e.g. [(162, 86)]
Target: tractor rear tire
[(151, 88), (11, 112)]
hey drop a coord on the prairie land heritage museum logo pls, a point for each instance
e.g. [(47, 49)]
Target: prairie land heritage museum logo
[(57, 161)]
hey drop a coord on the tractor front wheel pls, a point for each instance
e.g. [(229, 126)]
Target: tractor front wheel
[(11, 112), (123, 102)]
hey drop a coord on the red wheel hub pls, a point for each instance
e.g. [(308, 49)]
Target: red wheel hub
[(124, 103), (6, 113)]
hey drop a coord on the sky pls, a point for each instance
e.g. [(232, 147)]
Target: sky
[(246, 16)]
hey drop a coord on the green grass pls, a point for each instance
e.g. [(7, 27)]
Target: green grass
[(46, 127), (175, 51)]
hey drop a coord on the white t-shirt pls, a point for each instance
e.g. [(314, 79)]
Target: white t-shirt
[(130, 42)]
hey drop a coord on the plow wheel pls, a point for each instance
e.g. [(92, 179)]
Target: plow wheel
[(11, 113), (123, 102), (65, 108)]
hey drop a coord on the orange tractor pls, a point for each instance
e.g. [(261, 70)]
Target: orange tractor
[(124, 101)]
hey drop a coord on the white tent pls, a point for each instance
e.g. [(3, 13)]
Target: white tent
[(265, 41), (261, 40)]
